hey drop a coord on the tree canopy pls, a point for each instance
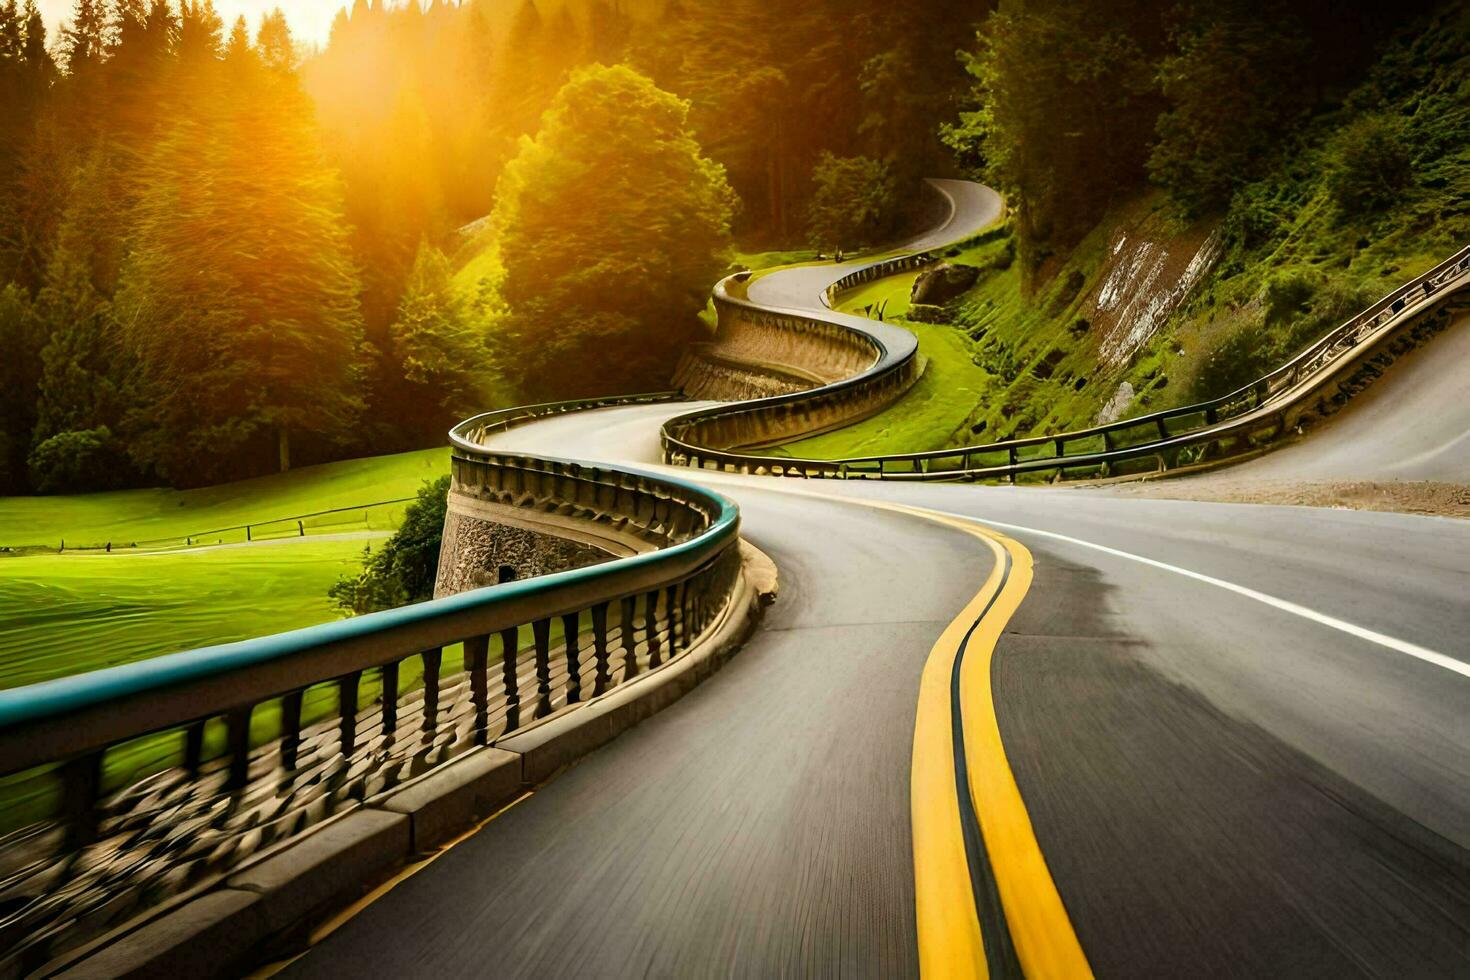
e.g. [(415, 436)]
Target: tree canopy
[(612, 227)]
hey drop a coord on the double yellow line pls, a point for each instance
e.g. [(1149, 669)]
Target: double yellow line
[(976, 858), (985, 900)]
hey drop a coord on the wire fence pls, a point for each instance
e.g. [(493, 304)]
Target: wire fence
[(381, 515)]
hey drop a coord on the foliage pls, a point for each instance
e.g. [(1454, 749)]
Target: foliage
[(403, 569), (1288, 292), (1060, 100), (852, 202), (80, 384), (238, 279), (437, 351), (1369, 164), (612, 225), (1234, 82), (73, 460), (21, 339)]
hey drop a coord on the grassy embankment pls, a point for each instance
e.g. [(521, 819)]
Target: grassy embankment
[(1303, 250), (65, 613)]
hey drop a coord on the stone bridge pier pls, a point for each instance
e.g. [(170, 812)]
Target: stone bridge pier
[(488, 539), (512, 517)]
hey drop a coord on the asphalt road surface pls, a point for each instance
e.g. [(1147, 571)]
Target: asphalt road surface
[(1412, 424), (1242, 734)]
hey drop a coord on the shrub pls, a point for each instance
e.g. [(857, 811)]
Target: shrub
[(1368, 164), (1287, 294), (853, 202), (1244, 355), (403, 571), (79, 460)]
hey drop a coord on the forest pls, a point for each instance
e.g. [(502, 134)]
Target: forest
[(225, 253)]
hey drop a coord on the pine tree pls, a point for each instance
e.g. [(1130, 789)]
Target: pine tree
[(237, 47), (200, 32), (85, 39), (80, 388), (239, 299), (274, 43), (20, 376), (439, 355)]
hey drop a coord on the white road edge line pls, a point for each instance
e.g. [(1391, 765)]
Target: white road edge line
[(1362, 633)]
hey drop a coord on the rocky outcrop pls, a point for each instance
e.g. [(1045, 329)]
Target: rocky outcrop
[(942, 283), (1147, 275)]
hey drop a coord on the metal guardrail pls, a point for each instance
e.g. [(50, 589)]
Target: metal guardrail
[(292, 715), (724, 437)]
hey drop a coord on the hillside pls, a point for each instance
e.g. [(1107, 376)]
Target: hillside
[(1153, 310)]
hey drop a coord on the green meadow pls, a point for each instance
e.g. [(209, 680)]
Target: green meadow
[(81, 610)]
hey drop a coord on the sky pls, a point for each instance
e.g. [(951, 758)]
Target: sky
[(311, 20)]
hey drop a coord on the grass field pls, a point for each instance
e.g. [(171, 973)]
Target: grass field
[(925, 418), (66, 613), (63, 614), (138, 515), (934, 410)]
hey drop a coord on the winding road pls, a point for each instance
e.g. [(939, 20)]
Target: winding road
[(1241, 734)]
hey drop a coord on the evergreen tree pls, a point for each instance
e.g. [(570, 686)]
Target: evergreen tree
[(612, 226), (274, 43), (852, 203), (80, 388), (239, 300), (439, 355), (84, 40), (20, 377), (237, 46), (200, 32), (1235, 83), (1062, 115)]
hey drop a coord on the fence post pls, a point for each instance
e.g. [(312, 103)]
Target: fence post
[(432, 658), (599, 648), (630, 655)]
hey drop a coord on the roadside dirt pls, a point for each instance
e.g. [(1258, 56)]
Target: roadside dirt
[(1408, 497)]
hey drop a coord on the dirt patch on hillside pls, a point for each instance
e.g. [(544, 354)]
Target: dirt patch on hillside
[(1408, 497), (1148, 272)]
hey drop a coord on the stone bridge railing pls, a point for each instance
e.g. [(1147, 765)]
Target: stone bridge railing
[(803, 372), (205, 784)]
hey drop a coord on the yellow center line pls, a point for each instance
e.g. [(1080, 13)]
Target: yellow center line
[(950, 940), (950, 944)]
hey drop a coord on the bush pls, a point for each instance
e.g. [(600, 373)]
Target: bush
[(1331, 306), (1368, 164), (1288, 293), (403, 571), (77, 461), (1242, 357)]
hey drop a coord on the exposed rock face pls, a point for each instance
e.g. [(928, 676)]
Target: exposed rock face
[(1117, 405), (943, 283), (1148, 275)]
